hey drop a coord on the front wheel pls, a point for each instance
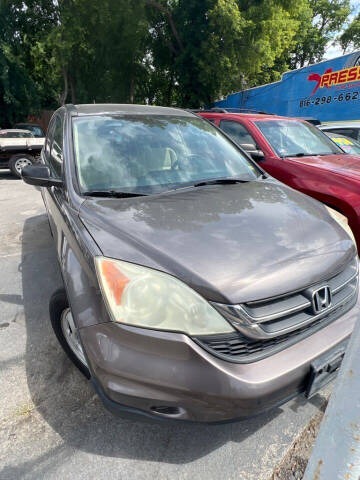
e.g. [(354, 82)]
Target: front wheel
[(66, 331), (18, 162)]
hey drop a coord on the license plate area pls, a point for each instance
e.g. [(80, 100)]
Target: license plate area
[(324, 368)]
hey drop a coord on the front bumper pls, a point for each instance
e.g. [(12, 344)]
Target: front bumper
[(153, 372)]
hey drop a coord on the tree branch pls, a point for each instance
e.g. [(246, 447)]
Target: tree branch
[(165, 11)]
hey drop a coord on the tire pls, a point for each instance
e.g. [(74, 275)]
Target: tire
[(18, 161), (59, 314)]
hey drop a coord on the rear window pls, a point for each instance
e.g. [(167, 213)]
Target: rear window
[(10, 134)]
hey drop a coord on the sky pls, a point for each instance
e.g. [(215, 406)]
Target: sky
[(335, 50)]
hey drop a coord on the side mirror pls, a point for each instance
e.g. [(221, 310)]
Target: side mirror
[(248, 147), (39, 176), (257, 155)]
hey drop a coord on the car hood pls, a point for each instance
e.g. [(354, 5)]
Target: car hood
[(344, 164), (231, 243)]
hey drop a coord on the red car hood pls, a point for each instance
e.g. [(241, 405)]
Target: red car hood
[(343, 163)]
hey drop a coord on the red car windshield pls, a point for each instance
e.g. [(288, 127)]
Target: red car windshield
[(291, 138)]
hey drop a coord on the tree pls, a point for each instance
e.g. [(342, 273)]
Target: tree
[(205, 48), (19, 27), (350, 39), (316, 30), (170, 52)]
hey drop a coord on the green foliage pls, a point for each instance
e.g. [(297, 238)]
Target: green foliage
[(170, 52), (220, 45), (21, 91), (350, 39), (316, 30)]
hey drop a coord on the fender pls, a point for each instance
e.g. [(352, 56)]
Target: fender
[(79, 276)]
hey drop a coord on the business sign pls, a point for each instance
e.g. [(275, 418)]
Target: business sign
[(329, 91), (330, 78)]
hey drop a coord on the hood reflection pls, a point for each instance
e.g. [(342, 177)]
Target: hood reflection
[(255, 239)]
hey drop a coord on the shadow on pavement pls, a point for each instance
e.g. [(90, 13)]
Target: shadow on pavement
[(66, 400), (7, 175)]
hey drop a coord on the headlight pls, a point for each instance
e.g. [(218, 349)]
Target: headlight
[(343, 221), (148, 298)]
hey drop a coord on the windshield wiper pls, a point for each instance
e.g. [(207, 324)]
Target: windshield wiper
[(220, 181), (310, 154), (300, 154), (112, 193)]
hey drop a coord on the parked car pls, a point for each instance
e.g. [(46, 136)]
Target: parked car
[(349, 129), (196, 287), (349, 145), (15, 133), (300, 155), (36, 130), (19, 148)]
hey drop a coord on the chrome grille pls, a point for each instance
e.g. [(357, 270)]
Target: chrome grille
[(273, 324), (237, 348), (276, 316)]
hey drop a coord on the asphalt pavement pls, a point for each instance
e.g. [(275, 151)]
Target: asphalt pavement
[(52, 424)]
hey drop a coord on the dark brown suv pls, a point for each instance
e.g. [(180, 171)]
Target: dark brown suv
[(196, 287)]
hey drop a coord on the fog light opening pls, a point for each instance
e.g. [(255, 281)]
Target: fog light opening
[(167, 411)]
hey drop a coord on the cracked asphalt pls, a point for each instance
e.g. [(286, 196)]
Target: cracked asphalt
[(53, 426)]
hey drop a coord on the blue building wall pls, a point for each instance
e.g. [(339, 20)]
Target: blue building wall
[(293, 96)]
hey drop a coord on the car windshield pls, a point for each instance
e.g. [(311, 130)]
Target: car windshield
[(153, 153), (12, 134), (293, 138), (349, 145)]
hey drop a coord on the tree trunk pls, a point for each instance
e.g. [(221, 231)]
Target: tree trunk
[(170, 19), (169, 90), (63, 96), (72, 90), (132, 88)]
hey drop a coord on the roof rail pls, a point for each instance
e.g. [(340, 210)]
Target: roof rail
[(247, 110), (312, 120), (213, 110), (229, 110)]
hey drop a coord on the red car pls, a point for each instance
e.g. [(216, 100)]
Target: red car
[(300, 155)]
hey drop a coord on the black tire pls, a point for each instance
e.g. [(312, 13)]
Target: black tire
[(14, 160), (58, 303)]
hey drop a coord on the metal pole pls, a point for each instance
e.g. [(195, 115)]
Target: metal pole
[(336, 453)]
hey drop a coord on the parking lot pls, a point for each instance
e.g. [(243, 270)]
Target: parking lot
[(52, 425)]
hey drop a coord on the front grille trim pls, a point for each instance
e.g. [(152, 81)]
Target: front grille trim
[(256, 340), (283, 321), (343, 285), (263, 352)]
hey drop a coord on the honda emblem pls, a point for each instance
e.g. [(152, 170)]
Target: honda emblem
[(321, 299)]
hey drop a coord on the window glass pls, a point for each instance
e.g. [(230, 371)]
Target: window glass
[(49, 135), (238, 133), (348, 144), (37, 131), (293, 138), (151, 153), (15, 134), (348, 132), (55, 159)]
